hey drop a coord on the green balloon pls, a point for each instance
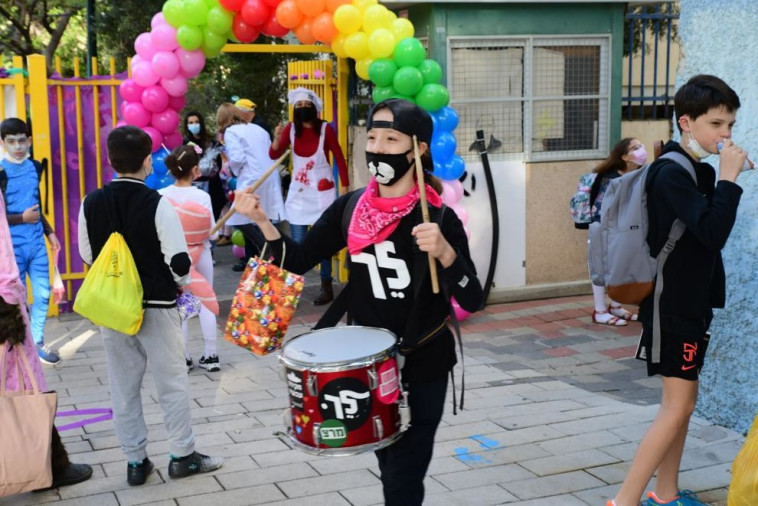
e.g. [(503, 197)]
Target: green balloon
[(219, 20), (189, 37), (381, 93), (409, 52), (212, 3), (433, 97), (382, 71), (213, 40), (431, 71), (173, 12), (403, 97), (238, 239), (408, 81), (195, 12)]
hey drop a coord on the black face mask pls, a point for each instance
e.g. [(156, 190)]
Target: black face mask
[(305, 114), (388, 168)]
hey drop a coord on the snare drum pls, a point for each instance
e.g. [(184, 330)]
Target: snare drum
[(344, 390)]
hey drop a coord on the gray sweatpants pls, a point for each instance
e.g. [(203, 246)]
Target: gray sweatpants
[(158, 343)]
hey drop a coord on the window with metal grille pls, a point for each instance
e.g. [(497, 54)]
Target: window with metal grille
[(537, 98)]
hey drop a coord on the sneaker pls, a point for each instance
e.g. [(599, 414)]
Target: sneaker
[(209, 364), (240, 266), (685, 498), (194, 463), (190, 365), (47, 355), (71, 475), (137, 473)]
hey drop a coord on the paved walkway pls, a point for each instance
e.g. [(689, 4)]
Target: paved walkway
[(554, 409)]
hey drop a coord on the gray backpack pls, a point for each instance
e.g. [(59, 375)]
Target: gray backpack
[(618, 253)]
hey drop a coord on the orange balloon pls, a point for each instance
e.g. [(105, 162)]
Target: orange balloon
[(304, 32), (311, 8), (323, 28), (288, 15), (331, 5)]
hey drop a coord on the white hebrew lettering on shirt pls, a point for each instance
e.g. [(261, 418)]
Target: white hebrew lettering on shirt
[(401, 279)]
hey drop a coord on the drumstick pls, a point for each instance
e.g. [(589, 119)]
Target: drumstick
[(250, 189), (425, 211)]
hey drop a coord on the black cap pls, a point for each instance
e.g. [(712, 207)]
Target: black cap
[(407, 118)]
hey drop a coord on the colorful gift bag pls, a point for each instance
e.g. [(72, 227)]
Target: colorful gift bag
[(263, 305)]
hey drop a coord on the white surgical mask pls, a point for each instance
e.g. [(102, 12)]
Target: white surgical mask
[(194, 128), (639, 155), (696, 148)]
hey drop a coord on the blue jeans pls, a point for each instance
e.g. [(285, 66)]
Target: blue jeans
[(297, 233)]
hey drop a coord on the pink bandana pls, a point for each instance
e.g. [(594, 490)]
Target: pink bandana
[(375, 218), (11, 288)]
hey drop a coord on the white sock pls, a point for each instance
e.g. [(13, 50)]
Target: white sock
[(598, 294)]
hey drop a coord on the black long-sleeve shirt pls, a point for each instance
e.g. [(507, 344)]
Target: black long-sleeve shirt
[(382, 282), (694, 280)]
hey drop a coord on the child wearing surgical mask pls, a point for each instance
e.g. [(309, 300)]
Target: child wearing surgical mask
[(627, 155), (385, 238)]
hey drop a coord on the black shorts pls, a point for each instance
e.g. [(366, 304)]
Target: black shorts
[(682, 355)]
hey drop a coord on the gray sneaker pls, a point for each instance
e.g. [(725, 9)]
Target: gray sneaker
[(194, 463)]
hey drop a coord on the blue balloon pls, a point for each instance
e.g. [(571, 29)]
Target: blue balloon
[(166, 180), (443, 146), (232, 183), (152, 181), (447, 118), (453, 168), (439, 169), (159, 162)]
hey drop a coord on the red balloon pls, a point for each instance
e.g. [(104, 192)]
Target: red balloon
[(304, 32), (244, 32), (272, 3), (273, 28), (254, 12), (232, 5)]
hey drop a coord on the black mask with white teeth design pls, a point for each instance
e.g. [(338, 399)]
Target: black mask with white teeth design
[(388, 168)]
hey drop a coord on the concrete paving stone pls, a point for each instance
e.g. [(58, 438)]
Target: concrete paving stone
[(91, 500), (462, 431), (252, 448), (257, 476), (599, 495), (482, 496), (590, 380), (80, 447), (474, 478), (332, 483), (264, 494), (599, 423), (573, 393), (114, 483), (362, 496), (711, 433), (562, 500), (446, 464), (706, 478), (611, 473), (563, 445), (173, 489), (268, 404), (221, 398), (325, 465), (556, 484), (573, 461)]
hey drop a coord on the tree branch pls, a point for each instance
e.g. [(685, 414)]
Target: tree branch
[(56, 35)]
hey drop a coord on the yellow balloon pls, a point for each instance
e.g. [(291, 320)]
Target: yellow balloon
[(361, 68), (375, 17), (381, 43), (338, 45), (347, 19), (391, 16), (402, 29), (363, 4), (356, 45)]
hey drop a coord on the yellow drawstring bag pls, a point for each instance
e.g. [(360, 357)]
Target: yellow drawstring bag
[(743, 490), (111, 295)]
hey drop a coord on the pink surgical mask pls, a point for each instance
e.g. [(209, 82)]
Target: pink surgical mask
[(639, 155)]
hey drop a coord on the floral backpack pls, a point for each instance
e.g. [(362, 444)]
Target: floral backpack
[(580, 206)]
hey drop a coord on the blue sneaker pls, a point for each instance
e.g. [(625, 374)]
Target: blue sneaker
[(685, 498), (47, 355)]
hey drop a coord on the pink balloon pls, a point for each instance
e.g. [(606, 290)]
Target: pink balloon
[(177, 103), (143, 74), (191, 62), (449, 195), (238, 251), (158, 19), (460, 313), (166, 121), (164, 37), (154, 98), (457, 187), (173, 140), (144, 47), (165, 64), (461, 212), (175, 86), (136, 114), (130, 91), (155, 136), (121, 123)]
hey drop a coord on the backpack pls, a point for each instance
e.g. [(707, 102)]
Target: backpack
[(618, 252), (111, 294), (581, 202)]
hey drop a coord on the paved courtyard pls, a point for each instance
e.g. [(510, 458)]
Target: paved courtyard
[(554, 408)]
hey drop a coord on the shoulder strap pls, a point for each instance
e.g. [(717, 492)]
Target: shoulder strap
[(676, 232), (349, 208)]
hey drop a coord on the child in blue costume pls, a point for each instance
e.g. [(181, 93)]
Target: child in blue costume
[(19, 180)]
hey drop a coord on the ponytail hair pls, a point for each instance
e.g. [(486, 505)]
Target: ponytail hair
[(181, 161)]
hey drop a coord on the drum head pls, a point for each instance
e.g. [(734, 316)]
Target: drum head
[(338, 345)]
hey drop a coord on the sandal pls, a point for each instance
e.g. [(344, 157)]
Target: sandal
[(613, 321), (623, 313)]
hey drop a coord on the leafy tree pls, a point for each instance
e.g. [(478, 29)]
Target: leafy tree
[(663, 14), (41, 27)]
